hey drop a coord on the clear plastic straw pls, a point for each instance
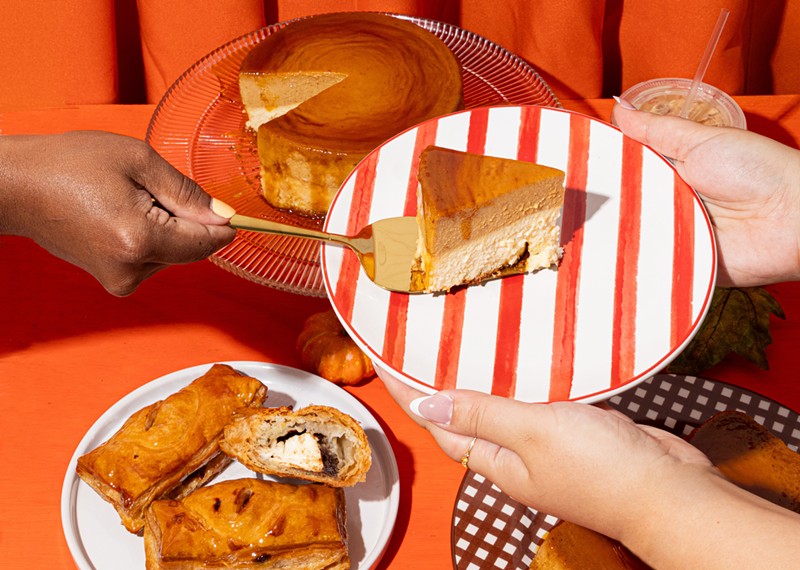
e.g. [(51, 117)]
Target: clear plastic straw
[(703, 67)]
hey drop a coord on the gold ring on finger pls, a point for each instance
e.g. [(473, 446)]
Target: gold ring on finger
[(465, 457)]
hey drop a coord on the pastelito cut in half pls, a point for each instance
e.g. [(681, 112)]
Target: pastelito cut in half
[(315, 443)]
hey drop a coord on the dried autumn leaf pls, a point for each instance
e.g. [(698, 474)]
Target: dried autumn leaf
[(738, 322)]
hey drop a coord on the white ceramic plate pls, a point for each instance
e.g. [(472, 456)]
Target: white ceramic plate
[(97, 539), (634, 284)]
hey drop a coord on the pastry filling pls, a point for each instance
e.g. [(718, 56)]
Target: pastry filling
[(303, 450)]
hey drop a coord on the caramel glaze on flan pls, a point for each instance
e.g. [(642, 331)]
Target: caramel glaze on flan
[(573, 547), (482, 217), (358, 79), (751, 456)]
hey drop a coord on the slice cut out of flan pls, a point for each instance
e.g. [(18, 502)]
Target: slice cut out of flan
[(324, 91)]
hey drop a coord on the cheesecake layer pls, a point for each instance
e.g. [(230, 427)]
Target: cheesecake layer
[(482, 216)]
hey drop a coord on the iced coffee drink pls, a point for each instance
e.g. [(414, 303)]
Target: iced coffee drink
[(667, 97)]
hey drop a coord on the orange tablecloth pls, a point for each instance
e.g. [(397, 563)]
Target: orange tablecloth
[(69, 350)]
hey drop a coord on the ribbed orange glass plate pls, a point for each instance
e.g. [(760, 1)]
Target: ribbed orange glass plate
[(199, 127)]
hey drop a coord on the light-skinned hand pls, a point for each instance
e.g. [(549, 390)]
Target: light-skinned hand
[(595, 467), (575, 461), (750, 185)]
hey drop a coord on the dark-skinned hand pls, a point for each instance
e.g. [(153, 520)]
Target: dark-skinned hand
[(107, 203)]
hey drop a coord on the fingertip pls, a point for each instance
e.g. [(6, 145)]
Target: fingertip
[(222, 235), (624, 103), (623, 113), (222, 209), (437, 408), (414, 405)]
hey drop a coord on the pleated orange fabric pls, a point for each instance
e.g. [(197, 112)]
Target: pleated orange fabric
[(782, 26), (60, 52), (80, 51), (177, 33), (562, 40), (443, 10), (670, 41)]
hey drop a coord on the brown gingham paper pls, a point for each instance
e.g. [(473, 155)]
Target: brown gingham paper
[(491, 530)]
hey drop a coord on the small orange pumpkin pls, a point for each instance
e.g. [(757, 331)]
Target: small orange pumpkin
[(326, 349)]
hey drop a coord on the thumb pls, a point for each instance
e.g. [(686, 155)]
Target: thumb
[(482, 432), (671, 136), (495, 419)]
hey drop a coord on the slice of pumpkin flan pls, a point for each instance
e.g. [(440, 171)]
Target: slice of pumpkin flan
[(482, 217)]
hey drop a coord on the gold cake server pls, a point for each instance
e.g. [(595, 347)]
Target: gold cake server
[(385, 248)]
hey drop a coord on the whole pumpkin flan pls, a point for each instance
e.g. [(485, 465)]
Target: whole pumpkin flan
[(324, 91), (482, 217)]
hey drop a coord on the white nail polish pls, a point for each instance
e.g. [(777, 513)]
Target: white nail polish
[(436, 408), (414, 405), (623, 103)]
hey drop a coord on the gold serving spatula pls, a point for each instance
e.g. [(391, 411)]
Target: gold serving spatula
[(385, 248)]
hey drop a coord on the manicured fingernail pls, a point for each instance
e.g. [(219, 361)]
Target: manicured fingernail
[(624, 104), (220, 208), (437, 408)]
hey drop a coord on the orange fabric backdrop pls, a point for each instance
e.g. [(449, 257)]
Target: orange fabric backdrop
[(176, 33), (57, 53), (100, 51)]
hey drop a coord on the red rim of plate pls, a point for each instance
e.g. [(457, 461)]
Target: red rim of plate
[(633, 287)]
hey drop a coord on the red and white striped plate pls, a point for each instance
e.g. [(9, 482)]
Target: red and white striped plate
[(634, 284)]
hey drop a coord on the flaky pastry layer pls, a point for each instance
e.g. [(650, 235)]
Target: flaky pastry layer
[(170, 447)]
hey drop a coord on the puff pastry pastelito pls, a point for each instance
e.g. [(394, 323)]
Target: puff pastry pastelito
[(171, 447), (315, 443), (249, 523)]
